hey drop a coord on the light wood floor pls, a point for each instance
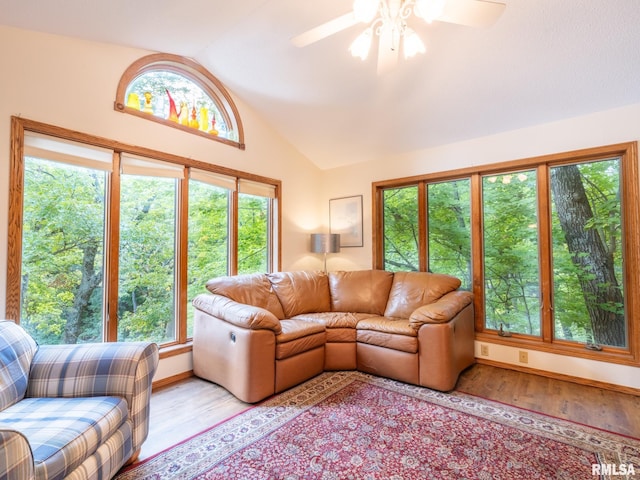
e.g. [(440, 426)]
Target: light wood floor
[(184, 409)]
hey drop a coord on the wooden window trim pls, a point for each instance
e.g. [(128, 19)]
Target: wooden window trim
[(14, 242), (630, 186)]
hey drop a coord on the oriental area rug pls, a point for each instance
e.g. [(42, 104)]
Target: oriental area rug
[(350, 425)]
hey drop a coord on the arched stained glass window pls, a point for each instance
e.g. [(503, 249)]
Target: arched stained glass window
[(180, 93)]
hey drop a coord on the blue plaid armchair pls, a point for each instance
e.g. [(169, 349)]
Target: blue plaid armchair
[(71, 411)]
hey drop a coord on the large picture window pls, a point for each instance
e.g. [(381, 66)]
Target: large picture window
[(62, 263), (111, 242), (210, 198), (546, 244), (449, 229), (511, 252), (588, 232), (401, 235)]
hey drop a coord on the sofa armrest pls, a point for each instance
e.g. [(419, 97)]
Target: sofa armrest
[(95, 369), (239, 314), (442, 310), (16, 459)]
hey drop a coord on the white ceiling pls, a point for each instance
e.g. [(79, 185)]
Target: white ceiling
[(544, 60)]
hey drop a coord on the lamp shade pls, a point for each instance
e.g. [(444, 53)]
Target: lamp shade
[(325, 242)]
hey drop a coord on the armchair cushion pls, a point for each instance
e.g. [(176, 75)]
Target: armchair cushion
[(17, 349), (99, 369), (63, 432)]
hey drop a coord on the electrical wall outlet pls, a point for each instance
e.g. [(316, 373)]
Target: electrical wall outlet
[(523, 356), (484, 350)]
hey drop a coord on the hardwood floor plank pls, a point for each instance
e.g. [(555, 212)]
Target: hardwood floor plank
[(184, 409)]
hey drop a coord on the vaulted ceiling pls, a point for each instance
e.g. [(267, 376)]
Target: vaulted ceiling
[(543, 60)]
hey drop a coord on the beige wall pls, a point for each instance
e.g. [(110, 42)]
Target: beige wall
[(72, 83)]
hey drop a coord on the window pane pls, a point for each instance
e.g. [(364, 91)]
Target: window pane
[(253, 233), (401, 235), (449, 229), (146, 288), (511, 272), (63, 252), (587, 253), (174, 97), (208, 239)]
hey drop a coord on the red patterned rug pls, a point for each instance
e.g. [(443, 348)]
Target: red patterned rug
[(349, 425)]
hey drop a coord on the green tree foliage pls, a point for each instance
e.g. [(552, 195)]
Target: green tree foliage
[(62, 263), (401, 235), (146, 287), (64, 242), (588, 298), (253, 238), (587, 253), (511, 259), (208, 238), (449, 229)]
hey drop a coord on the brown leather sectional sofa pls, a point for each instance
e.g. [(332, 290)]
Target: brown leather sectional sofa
[(260, 334)]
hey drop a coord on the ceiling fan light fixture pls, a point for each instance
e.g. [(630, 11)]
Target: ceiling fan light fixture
[(365, 10), (388, 20), (362, 44), (429, 10), (412, 44)]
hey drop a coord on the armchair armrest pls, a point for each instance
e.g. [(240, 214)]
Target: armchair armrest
[(239, 314), (86, 370), (442, 310), (15, 456)]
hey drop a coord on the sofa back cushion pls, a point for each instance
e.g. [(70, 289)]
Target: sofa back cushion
[(364, 291), (251, 289), (301, 292), (17, 349), (411, 290)]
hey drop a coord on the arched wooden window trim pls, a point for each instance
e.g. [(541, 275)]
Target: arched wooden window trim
[(193, 71)]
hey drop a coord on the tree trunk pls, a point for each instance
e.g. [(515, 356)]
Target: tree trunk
[(588, 251), (88, 283)]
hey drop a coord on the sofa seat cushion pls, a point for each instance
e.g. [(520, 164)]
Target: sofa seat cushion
[(411, 290), (389, 333), (364, 291), (63, 432), (334, 319), (341, 326), (17, 349), (298, 336), (301, 292)]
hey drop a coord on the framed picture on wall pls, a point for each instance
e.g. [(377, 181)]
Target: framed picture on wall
[(345, 218)]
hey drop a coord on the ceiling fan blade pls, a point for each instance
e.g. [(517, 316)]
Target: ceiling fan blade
[(323, 31), (387, 52), (472, 13)]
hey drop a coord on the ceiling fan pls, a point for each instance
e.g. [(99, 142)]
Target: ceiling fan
[(387, 19)]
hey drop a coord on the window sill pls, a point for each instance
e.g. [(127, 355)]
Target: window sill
[(172, 350), (607, 354)]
